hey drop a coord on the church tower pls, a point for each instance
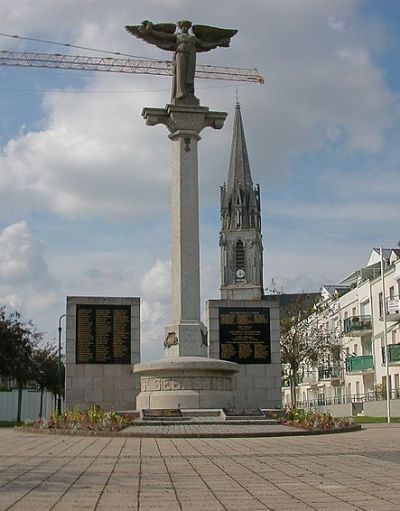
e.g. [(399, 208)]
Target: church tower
[(240, 235)]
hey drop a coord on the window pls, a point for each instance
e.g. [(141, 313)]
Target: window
[(391, 292), (240, 256), (380, 300)]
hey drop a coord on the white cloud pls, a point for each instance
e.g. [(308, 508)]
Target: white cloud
[(155, 308), (336, 24), (25, 282), (21, 257)]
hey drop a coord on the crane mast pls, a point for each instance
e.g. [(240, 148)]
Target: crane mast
[(122, 65)]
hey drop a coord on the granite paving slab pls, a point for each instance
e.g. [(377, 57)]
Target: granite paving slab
[(352, 472)]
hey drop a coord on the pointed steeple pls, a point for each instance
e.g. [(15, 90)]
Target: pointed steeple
[(240, 200), (240, 235), (239, 167)]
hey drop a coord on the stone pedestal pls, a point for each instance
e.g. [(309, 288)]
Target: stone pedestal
[(257, 384), (186, 382), (108, 383)]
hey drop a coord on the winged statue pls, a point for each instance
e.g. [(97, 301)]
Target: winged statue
[(185, 40)]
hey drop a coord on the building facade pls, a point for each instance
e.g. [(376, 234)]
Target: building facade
[(357, 313)]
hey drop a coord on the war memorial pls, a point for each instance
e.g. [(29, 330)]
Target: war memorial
[(232, 362)]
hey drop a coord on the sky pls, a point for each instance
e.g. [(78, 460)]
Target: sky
[(84, 184)]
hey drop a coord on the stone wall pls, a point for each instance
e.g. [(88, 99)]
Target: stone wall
[(256, 385), (113, 386), (378, 408)]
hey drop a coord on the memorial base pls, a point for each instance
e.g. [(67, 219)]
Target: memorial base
[(186, 382)]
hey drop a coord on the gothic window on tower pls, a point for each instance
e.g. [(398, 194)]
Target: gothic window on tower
[(239, 259)]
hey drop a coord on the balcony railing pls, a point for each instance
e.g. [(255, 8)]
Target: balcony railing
[(393, 351), (392, 308), (358, 326), (328, 373), (359, 364), (355, 398)]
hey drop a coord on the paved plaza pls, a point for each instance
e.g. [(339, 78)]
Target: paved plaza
[(352, 471)]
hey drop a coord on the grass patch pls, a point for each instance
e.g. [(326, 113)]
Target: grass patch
[(374, 420), (8, 424)]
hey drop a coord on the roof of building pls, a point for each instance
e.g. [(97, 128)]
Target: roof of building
[(336, 289)]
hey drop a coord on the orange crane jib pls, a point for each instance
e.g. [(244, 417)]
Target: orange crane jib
[(122, 65)]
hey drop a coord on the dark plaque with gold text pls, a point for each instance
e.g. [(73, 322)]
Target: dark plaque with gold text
[(245, 335), (103, 334)]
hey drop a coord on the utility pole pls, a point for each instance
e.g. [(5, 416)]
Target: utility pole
[(59, 365), (385, 337)]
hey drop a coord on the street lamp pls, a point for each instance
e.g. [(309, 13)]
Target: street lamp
[(59, 364), (385, 344)]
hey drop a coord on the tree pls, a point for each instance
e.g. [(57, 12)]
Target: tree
[(17, 344), (45, 367), (305, 336)]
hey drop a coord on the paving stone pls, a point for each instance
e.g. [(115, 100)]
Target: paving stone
[(351, 472)]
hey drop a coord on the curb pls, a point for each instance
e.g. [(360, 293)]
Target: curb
[(188, 434)]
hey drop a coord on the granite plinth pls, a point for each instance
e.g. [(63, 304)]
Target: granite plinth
[(186, 382)]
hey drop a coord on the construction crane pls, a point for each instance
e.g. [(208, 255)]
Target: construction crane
[(122, 65)]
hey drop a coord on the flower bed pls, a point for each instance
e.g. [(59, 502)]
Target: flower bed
[(93, 419), (313, 420)]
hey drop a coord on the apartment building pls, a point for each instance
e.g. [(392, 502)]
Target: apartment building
[(356, 313)]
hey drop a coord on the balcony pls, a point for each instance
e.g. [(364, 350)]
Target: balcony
[(329, 373), (394, 353), (360, 364), (358, 326), (392, 308)]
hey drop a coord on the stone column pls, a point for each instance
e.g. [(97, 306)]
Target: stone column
[(186, 335)]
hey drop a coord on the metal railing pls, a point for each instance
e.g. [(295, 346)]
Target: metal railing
[(392, 305), (357, 324), (362, 363), (393, 352), (328, 372), (353, 399)]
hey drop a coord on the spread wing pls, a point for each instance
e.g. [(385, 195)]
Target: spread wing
[(169, 28), (209, 34), (162, 34)]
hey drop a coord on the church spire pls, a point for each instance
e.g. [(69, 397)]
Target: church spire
[(239, 167), (240, 237)]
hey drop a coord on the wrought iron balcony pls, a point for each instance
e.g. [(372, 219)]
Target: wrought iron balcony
[(359, 364), (392, 308), (358, 326), (394, 353), (328, 373)]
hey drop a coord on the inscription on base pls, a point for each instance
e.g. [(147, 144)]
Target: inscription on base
[(103, 334), (245, 335)]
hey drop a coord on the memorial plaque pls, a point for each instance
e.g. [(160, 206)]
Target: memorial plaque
[(162, 414), (245, 335), (103, 334), (243, 412)]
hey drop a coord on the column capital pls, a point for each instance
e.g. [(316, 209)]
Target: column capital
[(181, 118)]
